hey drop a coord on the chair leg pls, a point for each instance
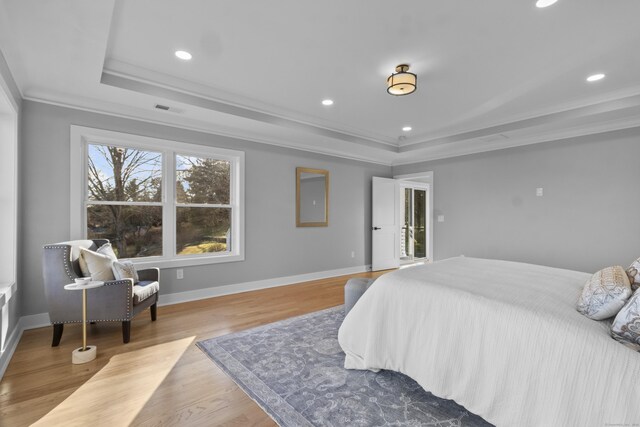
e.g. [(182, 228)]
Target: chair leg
[(57, 334), (126, 331), (154, 312)]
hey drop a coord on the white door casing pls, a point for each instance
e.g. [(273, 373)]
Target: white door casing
[(385, 220)]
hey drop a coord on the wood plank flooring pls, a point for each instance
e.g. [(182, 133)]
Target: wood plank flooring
[(180, 385)]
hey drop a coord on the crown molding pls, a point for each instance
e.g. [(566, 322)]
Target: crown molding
[(429, 153), (610, 97), (143, 75), (203, 127), (156, 84), (612, 105), (475, 146), (482, 140)]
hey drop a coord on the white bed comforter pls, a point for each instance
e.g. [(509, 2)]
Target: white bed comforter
[(503, 339)]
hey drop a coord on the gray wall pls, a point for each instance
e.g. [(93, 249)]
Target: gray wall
[(586, 220), (274, 246)]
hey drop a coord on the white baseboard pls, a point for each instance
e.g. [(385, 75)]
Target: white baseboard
[(42, 319), (35, 321), (24, 323), (12, 343), (236, 288)]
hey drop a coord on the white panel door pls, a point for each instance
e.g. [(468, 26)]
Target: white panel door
[(385, 240)]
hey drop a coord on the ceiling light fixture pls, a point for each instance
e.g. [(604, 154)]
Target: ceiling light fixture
[(183, 54), (406, 128), (595, 77), (327, 102), (545, 3), (401, 82)]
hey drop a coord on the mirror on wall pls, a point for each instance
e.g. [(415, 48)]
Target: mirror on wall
[(312, 197)]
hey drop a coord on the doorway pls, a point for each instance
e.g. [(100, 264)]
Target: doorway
[(416, 216), (414, 227), (401, 221)]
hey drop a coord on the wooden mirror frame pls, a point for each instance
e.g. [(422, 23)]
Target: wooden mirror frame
[(299, 172)]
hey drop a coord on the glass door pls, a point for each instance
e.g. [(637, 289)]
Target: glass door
[(419, 223), (413, 233)]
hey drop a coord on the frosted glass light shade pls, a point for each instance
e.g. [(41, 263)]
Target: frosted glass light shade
[(402, 82)]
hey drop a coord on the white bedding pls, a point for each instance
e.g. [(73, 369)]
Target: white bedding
[(503, 339)]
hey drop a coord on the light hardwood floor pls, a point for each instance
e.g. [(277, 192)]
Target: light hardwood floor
[(180, 385)]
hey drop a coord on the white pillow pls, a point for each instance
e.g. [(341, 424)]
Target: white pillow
[(626, 326), (125, 270), (105, 249), (634, 274), (605, 293), (98, 265)]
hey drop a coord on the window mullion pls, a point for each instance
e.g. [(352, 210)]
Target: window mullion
[(169, 209)]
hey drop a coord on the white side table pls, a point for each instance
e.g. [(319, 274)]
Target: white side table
[(85, 353)]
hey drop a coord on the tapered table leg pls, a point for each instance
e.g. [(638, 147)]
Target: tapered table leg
[(86, 353), (84, 320)]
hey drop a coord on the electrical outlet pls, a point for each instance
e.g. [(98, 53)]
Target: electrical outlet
[(353, 254), (180, 273), (540, 192), (440, 218)]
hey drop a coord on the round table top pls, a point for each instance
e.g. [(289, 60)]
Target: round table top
[(78, 287)]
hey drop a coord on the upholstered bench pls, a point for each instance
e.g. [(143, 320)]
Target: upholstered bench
[(353, 290)]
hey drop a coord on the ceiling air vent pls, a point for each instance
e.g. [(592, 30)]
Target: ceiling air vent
[(162, 107)]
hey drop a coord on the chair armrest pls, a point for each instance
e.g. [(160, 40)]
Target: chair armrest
[(152, 274), (113, 301)]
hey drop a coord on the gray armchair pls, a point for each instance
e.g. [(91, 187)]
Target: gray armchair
[(117, 301)]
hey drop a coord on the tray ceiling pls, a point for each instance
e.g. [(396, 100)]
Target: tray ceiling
[(491, 74)]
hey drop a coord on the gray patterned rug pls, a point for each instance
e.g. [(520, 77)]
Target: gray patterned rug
[(293, 370)]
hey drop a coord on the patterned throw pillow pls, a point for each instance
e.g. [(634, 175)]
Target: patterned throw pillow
[(125, 270), (626, 326), (634, 274), (105, 249), (97, 264), (605, 293)]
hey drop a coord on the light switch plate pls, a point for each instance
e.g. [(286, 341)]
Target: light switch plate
[(440, 218), (539, 192)]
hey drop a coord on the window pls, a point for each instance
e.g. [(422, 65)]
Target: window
[(203, 208), (157, 201)]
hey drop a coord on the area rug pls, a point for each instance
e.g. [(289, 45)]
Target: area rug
[(294, 370)]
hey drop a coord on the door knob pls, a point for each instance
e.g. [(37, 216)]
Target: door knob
[(377, 228)]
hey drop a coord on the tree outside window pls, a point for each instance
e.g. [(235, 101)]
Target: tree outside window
[(203, 209), (125, 199), (125, 202)]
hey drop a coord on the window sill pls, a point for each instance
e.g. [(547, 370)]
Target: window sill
[(185, 261), (6, 292)]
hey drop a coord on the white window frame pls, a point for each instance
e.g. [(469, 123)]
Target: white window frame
[(81, 137)]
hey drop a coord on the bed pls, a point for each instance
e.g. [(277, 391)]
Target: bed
[(501, 338)]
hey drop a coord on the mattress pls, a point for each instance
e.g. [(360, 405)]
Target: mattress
[(501, 338)]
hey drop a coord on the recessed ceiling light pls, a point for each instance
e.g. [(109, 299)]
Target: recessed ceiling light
[(545, 3), (183, 54), (595, 77), (327, 102), (406, 128)]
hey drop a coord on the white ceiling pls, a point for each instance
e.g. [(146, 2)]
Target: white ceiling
[(491, 74)]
